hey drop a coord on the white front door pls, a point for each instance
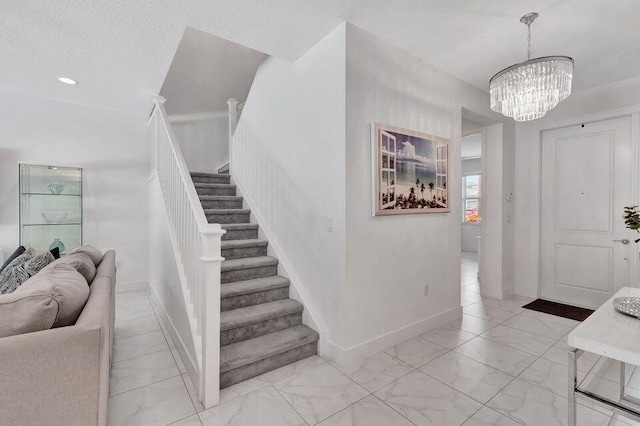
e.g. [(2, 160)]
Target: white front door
[(586, 180)]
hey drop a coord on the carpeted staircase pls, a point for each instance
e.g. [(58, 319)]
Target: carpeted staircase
[(260, 327)]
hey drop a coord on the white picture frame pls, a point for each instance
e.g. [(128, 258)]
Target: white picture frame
[(410, 171)]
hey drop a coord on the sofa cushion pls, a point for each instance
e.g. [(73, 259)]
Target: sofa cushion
[(92, 252), (18, 274), (64, 285), (26, 313), (82, 263), (53, 298), (12, 256)]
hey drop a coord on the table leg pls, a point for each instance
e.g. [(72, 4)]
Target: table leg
[(623, 367), (623, 387), (573, 381)]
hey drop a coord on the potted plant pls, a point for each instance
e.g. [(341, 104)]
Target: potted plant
[(632, 219)]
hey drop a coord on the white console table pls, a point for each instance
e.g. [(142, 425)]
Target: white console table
[(611, 334)]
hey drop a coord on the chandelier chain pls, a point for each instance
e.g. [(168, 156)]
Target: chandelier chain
[(529, 41)]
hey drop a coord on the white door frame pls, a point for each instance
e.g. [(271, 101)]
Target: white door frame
[(535, 138), (602, 149), (498, 139)]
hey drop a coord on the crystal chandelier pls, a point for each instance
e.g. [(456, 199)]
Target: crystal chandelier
[(527, 90)]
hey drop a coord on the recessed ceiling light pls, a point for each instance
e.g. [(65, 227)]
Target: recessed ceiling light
[(67, 80)]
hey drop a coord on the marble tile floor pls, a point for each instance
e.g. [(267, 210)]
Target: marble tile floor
[(498, 365)]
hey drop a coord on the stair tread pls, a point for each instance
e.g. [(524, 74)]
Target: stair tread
[(213, 185), (234, 244), (220, 197), (247, 263), (257, 313), (227, 211), (275, 345), (239, 288), (239, 226), (201, 174), (249, 351)]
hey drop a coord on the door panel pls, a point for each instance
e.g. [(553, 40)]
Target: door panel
[(585, 183), (594, 267)]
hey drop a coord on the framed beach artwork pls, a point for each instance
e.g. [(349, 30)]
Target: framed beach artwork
[(410, 171)]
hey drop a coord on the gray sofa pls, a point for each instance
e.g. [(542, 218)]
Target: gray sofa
[(61, 376)]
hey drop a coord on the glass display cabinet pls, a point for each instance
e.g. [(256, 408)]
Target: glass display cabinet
[(50, 207)]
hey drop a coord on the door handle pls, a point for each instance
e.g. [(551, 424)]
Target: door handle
[(623, 241)]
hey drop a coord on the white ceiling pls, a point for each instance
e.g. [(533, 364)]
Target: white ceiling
[(121, 50), (206, 71)]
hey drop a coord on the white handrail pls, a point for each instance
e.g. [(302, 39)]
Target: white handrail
[(198, 251), (182, 168)]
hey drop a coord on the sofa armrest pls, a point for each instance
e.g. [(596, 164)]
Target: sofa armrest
[(99, 312), (50, 377)]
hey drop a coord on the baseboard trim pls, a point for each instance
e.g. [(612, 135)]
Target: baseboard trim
[(509, 291), (491, 292), (133, 286), (350, 357), (152, 175), (188, 361)]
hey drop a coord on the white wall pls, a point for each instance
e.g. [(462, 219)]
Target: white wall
[(300, 164), (163, 276), (469, 129), (112, 149), (470, 234), (471, 166), (496, 263), (471, 144), (203, 139), (390, 259), (289, 162), (508, 208), (622, 98)]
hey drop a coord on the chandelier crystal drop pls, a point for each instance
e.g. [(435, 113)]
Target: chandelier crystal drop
[(527, 90)]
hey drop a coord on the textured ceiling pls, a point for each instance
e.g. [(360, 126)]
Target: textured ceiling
[(206, 71), (121, 50)]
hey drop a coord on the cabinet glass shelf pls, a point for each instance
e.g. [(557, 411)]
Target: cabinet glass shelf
[(52, 195), (51, 224), (50, 206)]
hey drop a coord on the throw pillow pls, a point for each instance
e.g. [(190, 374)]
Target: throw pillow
[(13, 255), (20, 273), (6, 274), (55, 252), (91, 251), (82, 263), (63, 286)]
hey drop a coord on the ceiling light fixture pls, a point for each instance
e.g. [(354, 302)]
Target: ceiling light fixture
[(67, 80), (527, 90)]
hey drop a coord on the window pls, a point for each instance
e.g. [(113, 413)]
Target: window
[(471, 198)]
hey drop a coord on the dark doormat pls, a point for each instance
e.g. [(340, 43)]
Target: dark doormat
[(559, 309)]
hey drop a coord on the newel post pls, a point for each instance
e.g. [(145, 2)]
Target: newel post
[(233, 122), (152, 135), (152, 127), (209, 386)]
